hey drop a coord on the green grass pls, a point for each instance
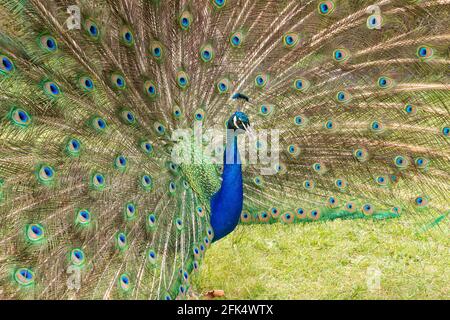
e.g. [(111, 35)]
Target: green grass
[(330, 260)]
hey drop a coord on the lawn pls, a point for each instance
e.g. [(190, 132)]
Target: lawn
[(342, 259)]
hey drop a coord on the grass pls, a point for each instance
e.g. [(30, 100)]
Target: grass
[(330, 260)]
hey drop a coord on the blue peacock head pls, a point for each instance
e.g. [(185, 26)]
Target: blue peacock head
[(238, 121)]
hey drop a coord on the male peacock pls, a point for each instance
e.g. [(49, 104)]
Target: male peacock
[(92, 203)]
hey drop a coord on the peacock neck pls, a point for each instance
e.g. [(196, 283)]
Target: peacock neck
[(226, 204)]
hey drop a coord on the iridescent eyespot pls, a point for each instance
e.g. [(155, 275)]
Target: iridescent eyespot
[(126, 36), (35, 233), (367, 209), (401, 162), (424, 52), (128, 117), (182, 79), (86, 83), (332, 202), (300, 120), (210, 233), (118, 81), (258, 181), (207, 53), (199, 115), (279, 168), (376, 126), (151, 256), (301, 84), (314, 214), (185, 20), (146, 147), (301, 213), (319, 167), (263, 216), (48, 43), (293, 150), (326, 7), (146, 182), (77, 257), (421, 162), (51, 89), (6, 65), (120, 163), (130, 211), (219, 4), (156, 49), (361, 154), (45, 174), (151, 220), (236, 39), (83, 217), (24, 277), (223, 85), (150, 89), (382, 180), (261, 80), (374, 21), (266, 109), (172, 187), (421, 201), (343, 97), (341, 183), (341, 55), (245, 216), (385, 82), (290, 40), (91, 29), (73, 147), (275, 213), (124, 282), (200, 211), (19, 117), (350, 207), (176, 111), (99, 124), (308, 185), (98, 181), (121, 241), (446, 131), (396, 210), (410, 110), (330, 125), (287, 217)]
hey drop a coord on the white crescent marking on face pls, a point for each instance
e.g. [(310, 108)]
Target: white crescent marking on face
[(235, 122)]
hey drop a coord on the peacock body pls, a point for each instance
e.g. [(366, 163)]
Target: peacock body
[(93, 204)]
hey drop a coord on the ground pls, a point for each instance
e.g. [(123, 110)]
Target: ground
[(352, 259)]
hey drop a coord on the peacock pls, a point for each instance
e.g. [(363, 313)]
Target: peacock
[(135, 133)]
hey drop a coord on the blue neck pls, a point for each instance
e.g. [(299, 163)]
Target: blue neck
[(226, 204)]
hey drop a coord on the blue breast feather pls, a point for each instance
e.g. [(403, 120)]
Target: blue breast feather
[(226, 204)]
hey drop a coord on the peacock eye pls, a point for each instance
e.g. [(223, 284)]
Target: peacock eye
[(326, 7), (236, 39), (290, 40), (424, 52), (207, 53), (92, 29), (374, 21), (48, 43), (219, 4), (185, 20), (6, 65), (127, 36)]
